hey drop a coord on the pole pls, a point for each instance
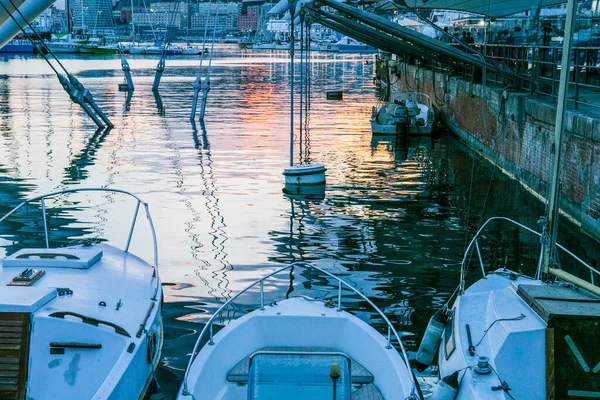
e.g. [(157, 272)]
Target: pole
[(132, 24), (549, 256), (292, 10)]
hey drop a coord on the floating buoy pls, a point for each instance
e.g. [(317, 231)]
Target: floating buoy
[(447, 388), (335, 95), (431, 339)]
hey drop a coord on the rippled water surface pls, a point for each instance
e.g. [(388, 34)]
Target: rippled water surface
[(393, 221)]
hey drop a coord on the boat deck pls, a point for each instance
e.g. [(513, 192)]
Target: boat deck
[(92, 314)]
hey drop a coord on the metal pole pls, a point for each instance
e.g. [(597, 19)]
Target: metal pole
[(339, 296), (301, 89), (262, 296), (479, 256), (45, 224), (292, 10), (553, 207), (135, 214)]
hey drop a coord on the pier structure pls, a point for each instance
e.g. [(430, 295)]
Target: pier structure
[(499, 99), (514, 128)]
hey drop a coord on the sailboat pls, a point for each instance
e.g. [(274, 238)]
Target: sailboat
[(513, 336), (77, 321)]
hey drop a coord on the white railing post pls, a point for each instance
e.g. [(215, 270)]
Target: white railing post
[(45, 224)]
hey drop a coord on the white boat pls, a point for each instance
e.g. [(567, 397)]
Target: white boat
[(509, 333), (349, 45), (298, 348), (408, 112), (77, 322), (190, 51)]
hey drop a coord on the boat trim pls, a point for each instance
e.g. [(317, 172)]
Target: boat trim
[(109, 190), (474, 242), (91, 321), (391, 331)]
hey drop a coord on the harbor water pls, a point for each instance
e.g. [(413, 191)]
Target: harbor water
[(394, 221)]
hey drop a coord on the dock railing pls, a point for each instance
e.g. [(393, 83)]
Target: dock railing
[(208, 328), (474, 247), (536, 69)]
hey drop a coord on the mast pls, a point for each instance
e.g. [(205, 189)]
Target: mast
[(549, 254), (132, 24)]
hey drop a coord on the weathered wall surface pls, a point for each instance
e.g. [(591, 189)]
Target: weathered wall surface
[(515, 132)]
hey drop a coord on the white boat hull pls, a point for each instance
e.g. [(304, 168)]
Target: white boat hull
[(393, 129), (295, 323), (121, 367)]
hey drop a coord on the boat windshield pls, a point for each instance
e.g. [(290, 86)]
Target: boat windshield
[(299, 376)]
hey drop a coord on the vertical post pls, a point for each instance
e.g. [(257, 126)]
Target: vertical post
[(135, 214), (302, 50), (553, 207), (262, 296), (132, 24), (45, 224), (389, 338), (292, 10), (479, 256), (576, 77), (339, 308)]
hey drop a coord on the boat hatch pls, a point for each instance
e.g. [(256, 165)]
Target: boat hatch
[(239, 373), (14, 352), (299, 375), (53, 258), (24, 300), (573, 318)]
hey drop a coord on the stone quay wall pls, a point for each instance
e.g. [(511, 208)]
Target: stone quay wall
[(515, 131)]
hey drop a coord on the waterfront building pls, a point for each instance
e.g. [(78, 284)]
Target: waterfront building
[(92, 15), (223, 16)]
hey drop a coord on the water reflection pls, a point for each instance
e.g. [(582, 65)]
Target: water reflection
[(393, 220)]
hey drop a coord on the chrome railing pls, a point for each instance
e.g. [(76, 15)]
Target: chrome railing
[(391, 331), (474, 244), (42, 200)]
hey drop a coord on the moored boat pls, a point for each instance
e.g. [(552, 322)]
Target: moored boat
[(80, 321), (408, 112), (299, 348)]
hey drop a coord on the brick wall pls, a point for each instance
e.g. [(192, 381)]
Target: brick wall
[(515, 131)]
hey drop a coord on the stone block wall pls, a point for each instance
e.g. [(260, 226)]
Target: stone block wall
[(515, 131)]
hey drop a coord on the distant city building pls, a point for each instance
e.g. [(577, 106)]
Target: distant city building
[(247, 22), (51, 20), (92, 15), (222, 17), (157, 19)]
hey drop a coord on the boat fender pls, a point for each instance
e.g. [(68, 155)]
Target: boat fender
[(420, 122), (151, 347), (430, 115), (447, 388), (401, 115), (431, 339)]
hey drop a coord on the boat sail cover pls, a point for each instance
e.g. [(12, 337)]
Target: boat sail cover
[(490, 8)]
